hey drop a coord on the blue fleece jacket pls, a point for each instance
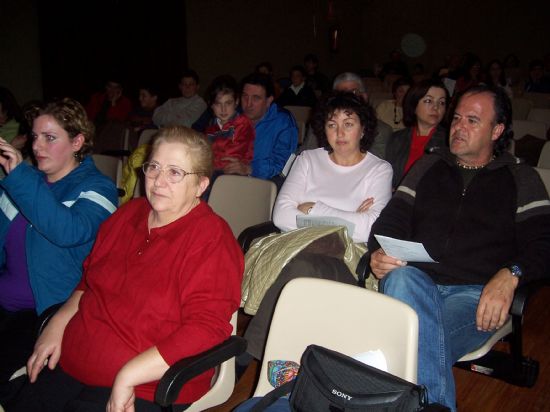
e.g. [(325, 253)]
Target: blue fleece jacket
[(276, 139), (63, 220)]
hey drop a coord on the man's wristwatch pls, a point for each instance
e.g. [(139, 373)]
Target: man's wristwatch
[(516, 271)]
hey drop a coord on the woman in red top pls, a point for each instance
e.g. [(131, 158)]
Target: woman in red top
[(160, 284), (423, 111)]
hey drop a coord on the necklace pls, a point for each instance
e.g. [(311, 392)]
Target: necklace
[(467, 167)]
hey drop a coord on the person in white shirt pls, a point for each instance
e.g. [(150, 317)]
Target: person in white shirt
[(185, 110), (341, 179)]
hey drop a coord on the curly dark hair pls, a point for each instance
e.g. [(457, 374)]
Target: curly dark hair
[(350, 103)]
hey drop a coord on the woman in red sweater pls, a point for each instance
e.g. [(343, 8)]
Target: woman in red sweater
[(160, 284)]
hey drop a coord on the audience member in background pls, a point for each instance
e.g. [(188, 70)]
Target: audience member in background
[(298, 93), (231, 133), (395, 66), (391, 111), (267, 68), (48, 223), (160, 284), (537, 82), (142, 117), (276, 131), (471, 75), (484, 218), (513, 71), (423, 110), (351, 82), (12, 122), (419, 73), (494, 76), (451, 67), (109, 105), (184, 110), (339, 180), (316, 80)]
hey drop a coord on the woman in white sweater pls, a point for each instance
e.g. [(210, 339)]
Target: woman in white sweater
[(341, 179)]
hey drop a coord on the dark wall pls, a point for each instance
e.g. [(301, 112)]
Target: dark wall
[(488, 28), (233, 36), (19, 49), (84, 43), (68, 47)]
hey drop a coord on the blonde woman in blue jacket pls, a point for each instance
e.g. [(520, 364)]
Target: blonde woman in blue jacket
[(49, 217)]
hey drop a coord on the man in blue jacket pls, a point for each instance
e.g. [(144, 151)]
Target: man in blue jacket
[(276, 131)]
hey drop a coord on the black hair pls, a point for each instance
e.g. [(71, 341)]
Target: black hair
[(413, 96), (10, 106), (502, 106), (190, 73), (402, 81), (265, 64), (224, 83), (297, 68), (259, 79), (347, 102)]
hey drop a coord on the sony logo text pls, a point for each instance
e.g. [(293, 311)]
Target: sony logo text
[(341, 394)]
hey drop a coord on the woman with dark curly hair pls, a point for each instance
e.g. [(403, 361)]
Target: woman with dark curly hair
[(340, 179)]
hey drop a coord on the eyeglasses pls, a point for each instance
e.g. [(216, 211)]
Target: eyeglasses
[(173, 174)]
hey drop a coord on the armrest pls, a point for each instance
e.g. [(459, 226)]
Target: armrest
[(523, 294), (182, 371), (363, 270), (45, 317), (254, 232)]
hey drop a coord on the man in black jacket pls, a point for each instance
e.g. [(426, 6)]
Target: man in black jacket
[(484, 218)]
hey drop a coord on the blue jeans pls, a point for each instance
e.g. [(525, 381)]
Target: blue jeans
[(447, 326)]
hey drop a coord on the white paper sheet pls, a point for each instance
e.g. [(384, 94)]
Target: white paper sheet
[(308, 221), (404, 250)]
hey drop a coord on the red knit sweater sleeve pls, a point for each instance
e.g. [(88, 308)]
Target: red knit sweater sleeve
[(208, 298)]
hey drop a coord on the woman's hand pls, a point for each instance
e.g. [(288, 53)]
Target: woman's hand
[(47, 347), (381, 264), (10, 156), (146, 367), (48, 344), (304, 207), (122, 397), (365, 205)]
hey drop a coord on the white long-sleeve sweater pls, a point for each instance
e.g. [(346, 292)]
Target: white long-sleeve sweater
[(336, 190)]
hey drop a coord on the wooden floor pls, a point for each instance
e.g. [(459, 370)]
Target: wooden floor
[(474, 392)]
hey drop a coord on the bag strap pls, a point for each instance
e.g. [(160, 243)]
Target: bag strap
[(272, 396)]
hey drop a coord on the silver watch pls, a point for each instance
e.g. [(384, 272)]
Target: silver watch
[(516, 271)]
